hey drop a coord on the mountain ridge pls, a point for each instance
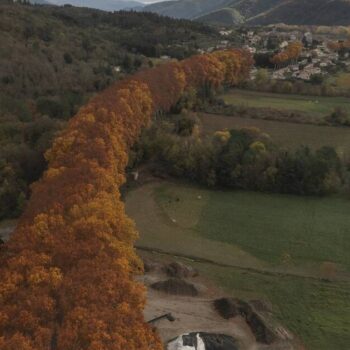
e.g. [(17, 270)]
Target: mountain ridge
[(105, 5), (257, 12)]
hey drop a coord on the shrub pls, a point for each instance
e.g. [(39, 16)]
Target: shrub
[(68, 58), (339, 117), (184, 126), (50, 107)]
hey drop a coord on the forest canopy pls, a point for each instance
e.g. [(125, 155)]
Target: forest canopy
[(53, 59)]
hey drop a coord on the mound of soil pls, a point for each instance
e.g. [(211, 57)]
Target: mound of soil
[(176, 286), (178, 270), (151, 266), (227, 307), (210, 342), (218, 342), (232, 307)]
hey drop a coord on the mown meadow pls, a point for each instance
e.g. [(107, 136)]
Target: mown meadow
[(311, 104)]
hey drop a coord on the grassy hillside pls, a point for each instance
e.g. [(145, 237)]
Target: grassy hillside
[(187, 8), (251, 8), (224, 16), (318, 12)]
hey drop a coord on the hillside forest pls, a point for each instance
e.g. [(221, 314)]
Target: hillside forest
[(53, 59)]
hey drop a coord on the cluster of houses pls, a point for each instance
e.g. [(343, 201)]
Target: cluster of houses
[(311, 63), (317, 59)]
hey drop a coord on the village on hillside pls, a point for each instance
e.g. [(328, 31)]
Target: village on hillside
[(321, 54)]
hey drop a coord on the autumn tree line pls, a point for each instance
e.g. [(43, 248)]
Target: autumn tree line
[(342, 46), (67, 273)]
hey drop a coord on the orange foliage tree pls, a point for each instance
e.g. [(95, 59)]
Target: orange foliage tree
[(290, 54), (67, 273), (339, 45)]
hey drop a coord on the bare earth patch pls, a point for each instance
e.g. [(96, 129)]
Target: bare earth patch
[(197, 314)]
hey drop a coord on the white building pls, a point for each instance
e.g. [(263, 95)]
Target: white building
[(178, 344)]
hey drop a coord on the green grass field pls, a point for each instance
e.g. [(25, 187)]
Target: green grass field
[(268, 234), (286, 134), (315, 105), (309, 230), (318, 312)]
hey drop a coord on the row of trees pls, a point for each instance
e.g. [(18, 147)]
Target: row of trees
[(67, 274), (240, 159)]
